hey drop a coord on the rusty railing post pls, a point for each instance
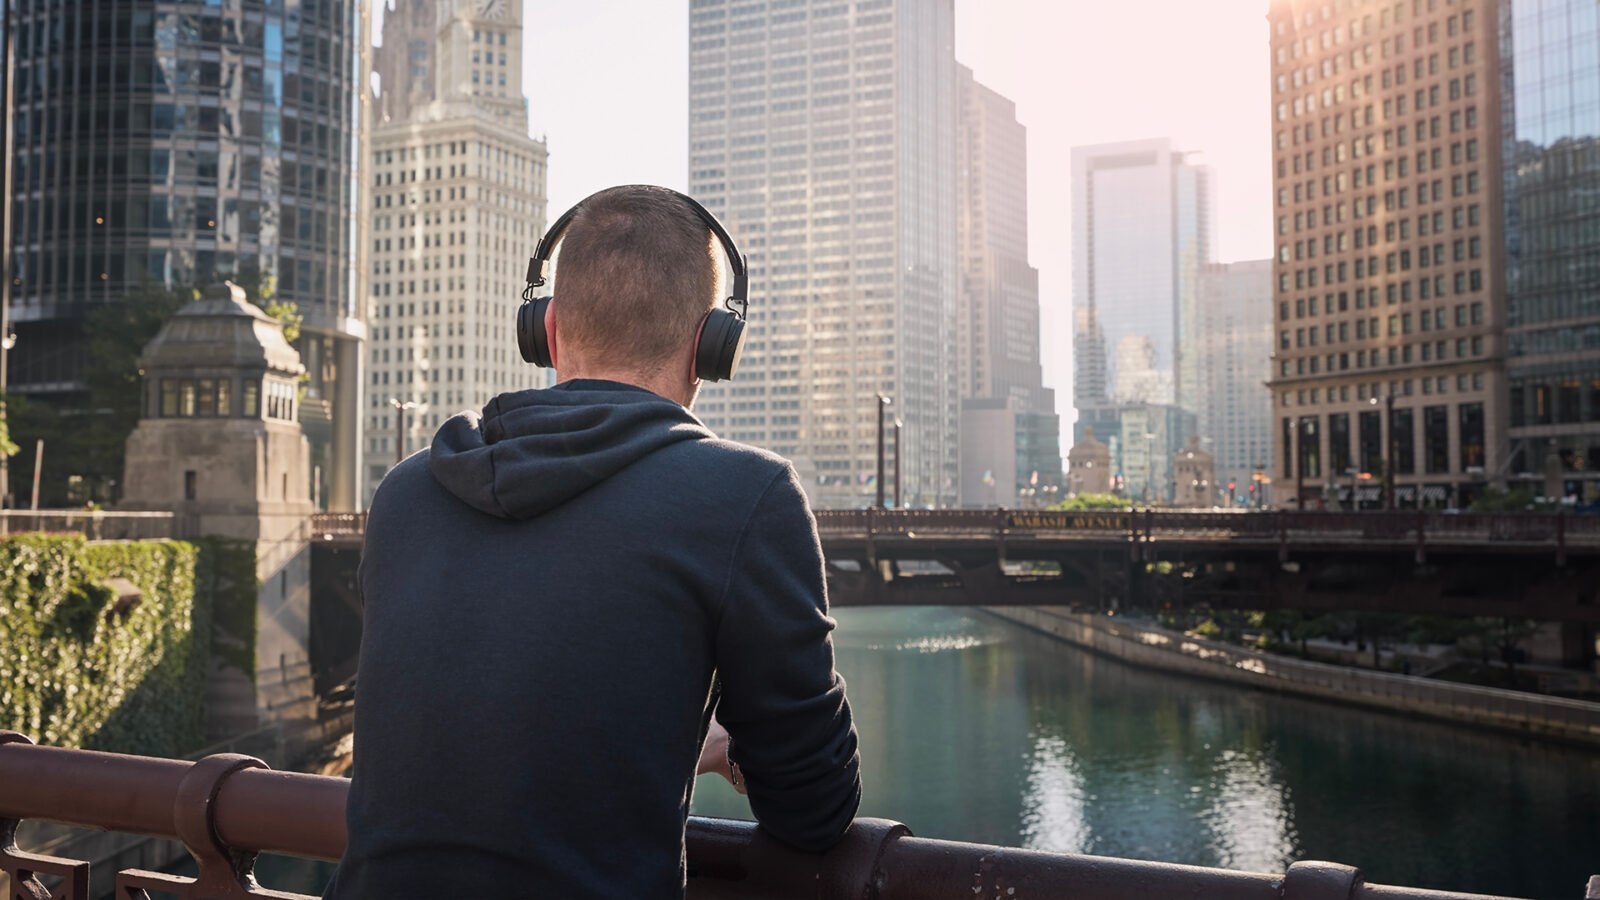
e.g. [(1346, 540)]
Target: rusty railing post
[(1422, 539)]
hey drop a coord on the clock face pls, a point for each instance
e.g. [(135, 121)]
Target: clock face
[(492, 9)]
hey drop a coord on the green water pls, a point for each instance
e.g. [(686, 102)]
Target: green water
[(976, 729)]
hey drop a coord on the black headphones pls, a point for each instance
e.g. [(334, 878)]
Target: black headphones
[(721, 343)]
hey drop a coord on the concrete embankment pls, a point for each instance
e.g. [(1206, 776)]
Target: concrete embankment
[(1157, 648)]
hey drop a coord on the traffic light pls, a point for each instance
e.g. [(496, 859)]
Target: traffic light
[(1252, 489), (1230, 487)]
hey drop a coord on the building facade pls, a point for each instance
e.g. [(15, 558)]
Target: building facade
[(1234, 347), (1142, 226), (1010, 434), (823, 135), (459, 191), (182, 145), (1388, 287), (1550, 58)]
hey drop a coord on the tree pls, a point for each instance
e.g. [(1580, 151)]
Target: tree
[(1496, 500), (116, 334), (8, 448), (1090, 502)]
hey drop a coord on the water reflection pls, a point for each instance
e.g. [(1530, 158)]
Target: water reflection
[(974, 729), (1052, 807), (1249, 817)]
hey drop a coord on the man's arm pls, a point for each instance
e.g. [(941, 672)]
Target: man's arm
[(782, 702)]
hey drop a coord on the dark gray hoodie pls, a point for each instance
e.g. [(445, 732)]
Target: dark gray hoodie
[(548, 591)]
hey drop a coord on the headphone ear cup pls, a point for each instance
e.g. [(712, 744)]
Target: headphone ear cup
[(721, 345), (532, 340)]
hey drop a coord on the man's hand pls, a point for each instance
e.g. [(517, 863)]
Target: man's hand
[(714, 756)]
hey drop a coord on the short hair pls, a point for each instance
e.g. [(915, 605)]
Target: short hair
[(635, 276)]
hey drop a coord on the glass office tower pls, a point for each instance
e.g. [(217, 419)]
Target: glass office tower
[(1550, 61), (183, 143)]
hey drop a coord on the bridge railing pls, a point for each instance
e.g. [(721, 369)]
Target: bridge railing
[(226, 808), (1408, 526), (338, 525), (97, 524)]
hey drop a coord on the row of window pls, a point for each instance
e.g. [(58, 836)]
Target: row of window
[(1428, 351), (1431, 384), (1462, 281), (1368, 449), (1333, 185), (205, 398), (1308, 307), (1393, 168)]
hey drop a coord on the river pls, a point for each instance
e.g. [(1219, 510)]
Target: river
[(973, 728)]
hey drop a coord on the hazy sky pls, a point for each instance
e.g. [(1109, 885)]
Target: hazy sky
[(607, 84)]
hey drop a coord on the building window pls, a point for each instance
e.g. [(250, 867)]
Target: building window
[(1472, 441), (1338, 444), (1436, 439), (251, 401)]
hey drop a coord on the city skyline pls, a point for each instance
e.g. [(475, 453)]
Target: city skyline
[(1223, 47)]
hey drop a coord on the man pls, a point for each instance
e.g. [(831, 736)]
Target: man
[(551, 590)]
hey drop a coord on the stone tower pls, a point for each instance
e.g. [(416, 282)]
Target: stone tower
[(1194, 476), (219, 443), (1089, 466)]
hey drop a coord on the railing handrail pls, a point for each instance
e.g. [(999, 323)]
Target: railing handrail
[(227, 803), (91, 513), (1421, 527)]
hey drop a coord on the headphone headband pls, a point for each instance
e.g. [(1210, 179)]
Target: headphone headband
[(539, 264), (721, 340)]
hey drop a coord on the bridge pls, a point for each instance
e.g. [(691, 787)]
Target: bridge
[(1536, 566), (227, 808)]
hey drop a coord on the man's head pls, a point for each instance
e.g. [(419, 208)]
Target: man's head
[(635, 277)]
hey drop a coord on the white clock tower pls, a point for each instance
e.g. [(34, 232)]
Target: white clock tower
[(458, 205), (480, 57)]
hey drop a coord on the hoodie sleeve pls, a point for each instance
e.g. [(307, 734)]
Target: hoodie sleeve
[(782, 702)]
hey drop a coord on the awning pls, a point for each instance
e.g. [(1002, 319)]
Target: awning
[(1435, 493), (1367, 495), (1405, 493)]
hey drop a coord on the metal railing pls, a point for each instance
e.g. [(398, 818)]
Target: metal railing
[(98, 525), (1411, 526), (328, 526), (226, 808)]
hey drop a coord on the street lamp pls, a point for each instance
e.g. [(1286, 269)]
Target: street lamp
[(899, 427), (883, 404), (8, 79), (400, 427), (1388, 449), (1149, 463)]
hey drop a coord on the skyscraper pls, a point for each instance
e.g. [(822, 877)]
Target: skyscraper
[(1010, 434), (823, 135), (183, 147), (459, 207), (1141, 231), (1234, 351), (1388, 295), (1550, 58), (1141, 228)]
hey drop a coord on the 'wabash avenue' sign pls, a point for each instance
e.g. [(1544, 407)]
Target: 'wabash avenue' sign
[(1045, 520)]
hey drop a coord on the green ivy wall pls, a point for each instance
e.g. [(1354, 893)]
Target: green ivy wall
[(75, 672)]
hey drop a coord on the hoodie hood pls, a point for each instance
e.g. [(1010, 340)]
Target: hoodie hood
[(532, 451)]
